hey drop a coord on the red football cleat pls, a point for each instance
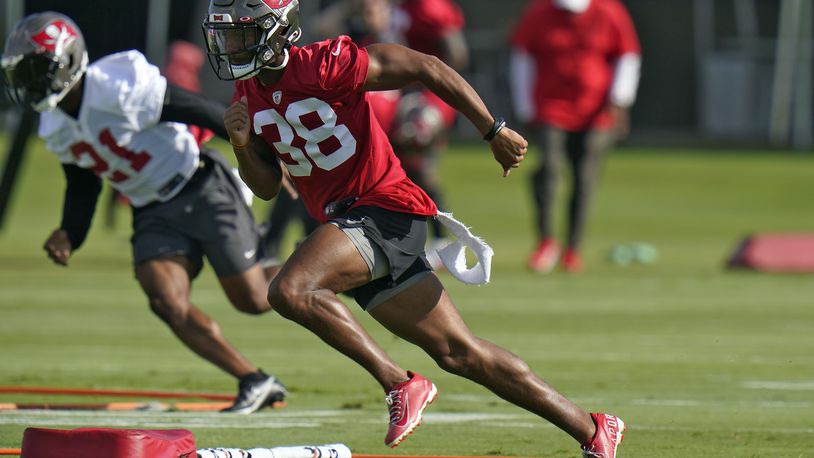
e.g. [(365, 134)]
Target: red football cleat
[(609, 429), (572, 261), (406, 402), (545, 257)]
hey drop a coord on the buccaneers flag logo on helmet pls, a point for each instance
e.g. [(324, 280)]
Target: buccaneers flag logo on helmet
[(277, 3), (54, 36)]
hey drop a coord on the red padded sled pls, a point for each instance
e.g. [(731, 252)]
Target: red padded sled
[(108, 443), (776, 253)]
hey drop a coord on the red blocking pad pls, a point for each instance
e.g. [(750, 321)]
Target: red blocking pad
[(108, 443), (775, 253)]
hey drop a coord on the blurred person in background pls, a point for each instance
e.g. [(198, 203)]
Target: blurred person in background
[(366, 22), (574, 75), (118, 119), (287, 208), (308, 107), (422, 121), (416, 120)]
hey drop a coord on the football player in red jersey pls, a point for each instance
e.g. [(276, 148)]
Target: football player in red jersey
[(307, 107)]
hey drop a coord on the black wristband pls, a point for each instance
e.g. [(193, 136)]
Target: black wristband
[(499, 124)]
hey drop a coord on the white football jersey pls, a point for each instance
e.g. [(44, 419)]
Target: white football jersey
[(118, 135)]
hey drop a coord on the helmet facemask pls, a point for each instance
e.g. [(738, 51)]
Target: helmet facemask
[(239, 49), (44, 58)]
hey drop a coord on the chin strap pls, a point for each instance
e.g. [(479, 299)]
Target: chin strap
[(454, 255), (251, 74), (285, 61)]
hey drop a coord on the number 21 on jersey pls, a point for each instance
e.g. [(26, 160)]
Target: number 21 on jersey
[(100, 166), (310, 155)]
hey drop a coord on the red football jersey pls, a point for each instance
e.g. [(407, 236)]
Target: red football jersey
[(573, 56), (322, 127)]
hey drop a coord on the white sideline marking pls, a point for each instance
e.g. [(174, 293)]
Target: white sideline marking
[(273, 420), (643, 427), (291, 419), (149, 419), (458, 417), (720, 403), (484, 399), (725, 430), (803, 385), (153, 423), (307, 420)]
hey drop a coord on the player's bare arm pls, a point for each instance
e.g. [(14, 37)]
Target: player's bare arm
[(393, 67), (256, 163)]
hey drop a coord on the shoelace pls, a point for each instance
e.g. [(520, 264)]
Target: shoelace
[(591, 454), (393, 399)]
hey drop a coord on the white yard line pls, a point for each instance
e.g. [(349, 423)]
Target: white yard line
[(272, 420), (721, 403), (756, 403), (801, 385), (290, 419)]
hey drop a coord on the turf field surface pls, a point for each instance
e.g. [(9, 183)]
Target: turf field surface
[(698, 360)]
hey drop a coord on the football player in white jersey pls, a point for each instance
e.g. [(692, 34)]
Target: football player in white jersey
[(118, 119)]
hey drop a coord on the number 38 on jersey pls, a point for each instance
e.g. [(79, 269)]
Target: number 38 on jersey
[(321, 134)]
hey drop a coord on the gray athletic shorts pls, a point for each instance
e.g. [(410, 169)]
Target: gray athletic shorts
[(207, 218), (392, 245)]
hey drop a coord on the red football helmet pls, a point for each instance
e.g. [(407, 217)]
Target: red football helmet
[(417, 126), (244, 36), (44, 57)]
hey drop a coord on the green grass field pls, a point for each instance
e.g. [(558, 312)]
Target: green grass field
[(699, 361)]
